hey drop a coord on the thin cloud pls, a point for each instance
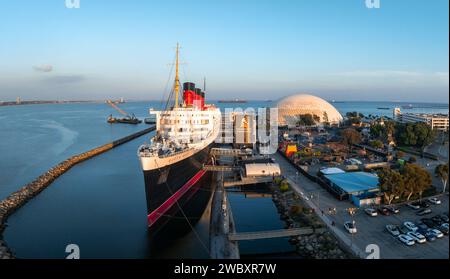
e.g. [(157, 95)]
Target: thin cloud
[(390, 73), (63, 79), (43, 68)]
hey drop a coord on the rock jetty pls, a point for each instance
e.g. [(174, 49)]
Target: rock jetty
[(27, 192), (320, 245)]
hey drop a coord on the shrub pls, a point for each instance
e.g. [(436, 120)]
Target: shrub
[(284, 186), (296, 209)]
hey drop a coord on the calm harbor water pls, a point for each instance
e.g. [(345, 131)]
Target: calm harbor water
[(100, 204)]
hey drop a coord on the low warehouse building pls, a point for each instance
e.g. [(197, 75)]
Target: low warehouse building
[(358, 186)]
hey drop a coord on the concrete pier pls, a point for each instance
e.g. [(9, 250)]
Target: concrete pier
[(17, 199), (222, 224)]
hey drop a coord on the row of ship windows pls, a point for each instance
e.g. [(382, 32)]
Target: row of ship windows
[(184, 115), (181, 130), (168, 122)]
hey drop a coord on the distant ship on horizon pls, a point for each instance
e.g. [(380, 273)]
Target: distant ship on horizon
[(231, 101)]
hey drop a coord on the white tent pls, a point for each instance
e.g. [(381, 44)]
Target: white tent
[(262, 169), (329, 171)]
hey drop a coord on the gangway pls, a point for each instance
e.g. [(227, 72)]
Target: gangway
[(230, 152), (273, 234)]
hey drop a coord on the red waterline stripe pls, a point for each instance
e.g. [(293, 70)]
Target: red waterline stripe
[(163, 208)]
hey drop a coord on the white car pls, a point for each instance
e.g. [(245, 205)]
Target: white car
[(350, 227), (414, 206), (437, 233), (410, 226), (419, 238), (371, 212), (406, 239), (434, 201)]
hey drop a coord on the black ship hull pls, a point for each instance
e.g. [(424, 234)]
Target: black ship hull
[(179, 190)]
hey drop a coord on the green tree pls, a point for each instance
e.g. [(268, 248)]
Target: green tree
[(326, 119), (406, 134), (350, 137), (442, 172), (284, 186), (307, 120), (376, 144), (415, 134), (425, 134), (391, 184), (416, 180), (376, 131)]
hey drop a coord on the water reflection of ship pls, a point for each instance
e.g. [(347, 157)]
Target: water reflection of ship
[(176, 224)]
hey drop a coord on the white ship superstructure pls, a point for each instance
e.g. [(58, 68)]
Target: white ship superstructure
[(181, 133)]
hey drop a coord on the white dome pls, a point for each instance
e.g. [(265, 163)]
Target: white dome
[(291, 107)]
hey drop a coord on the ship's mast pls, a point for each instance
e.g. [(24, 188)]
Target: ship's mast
[(177, 78)]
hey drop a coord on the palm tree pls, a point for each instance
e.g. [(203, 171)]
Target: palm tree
[(442, 172)]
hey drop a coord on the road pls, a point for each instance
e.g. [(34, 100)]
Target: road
[(371, 230)]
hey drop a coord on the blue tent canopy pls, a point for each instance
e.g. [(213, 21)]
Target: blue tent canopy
[(354, 182)]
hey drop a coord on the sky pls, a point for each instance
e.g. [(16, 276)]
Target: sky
[(251, 49)]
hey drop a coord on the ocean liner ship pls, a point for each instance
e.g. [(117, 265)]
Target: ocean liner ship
[(173, 162)]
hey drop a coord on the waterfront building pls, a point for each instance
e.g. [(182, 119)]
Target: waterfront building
[(437, 122), (361, 188)]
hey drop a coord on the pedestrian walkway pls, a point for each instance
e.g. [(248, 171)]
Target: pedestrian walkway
[(303, 186)]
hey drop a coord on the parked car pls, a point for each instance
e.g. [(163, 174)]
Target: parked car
[(413, 205), (423, 204), (371, 212), (428, 222), (411, 226), (384, 211), (430, 236), (437, 220), (437, 233), (350, 227), (406, 239), (418, 237), (424, 211), (422, 227), (444, 218), (434, 200), (393, 209), (404, 230), (393, 230), (444, 228)]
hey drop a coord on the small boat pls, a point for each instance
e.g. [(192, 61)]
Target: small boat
[(408, 107), (125, 120)]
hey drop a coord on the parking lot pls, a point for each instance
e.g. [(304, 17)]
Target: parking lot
[(371, 230)]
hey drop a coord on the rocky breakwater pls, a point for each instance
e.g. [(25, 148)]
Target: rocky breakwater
[(319, 245), (27, 192)]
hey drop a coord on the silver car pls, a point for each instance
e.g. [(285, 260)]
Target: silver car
[(418, 238), (393, 230), (406, 239)]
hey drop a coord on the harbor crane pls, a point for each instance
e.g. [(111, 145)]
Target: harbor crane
[(128, 119)]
